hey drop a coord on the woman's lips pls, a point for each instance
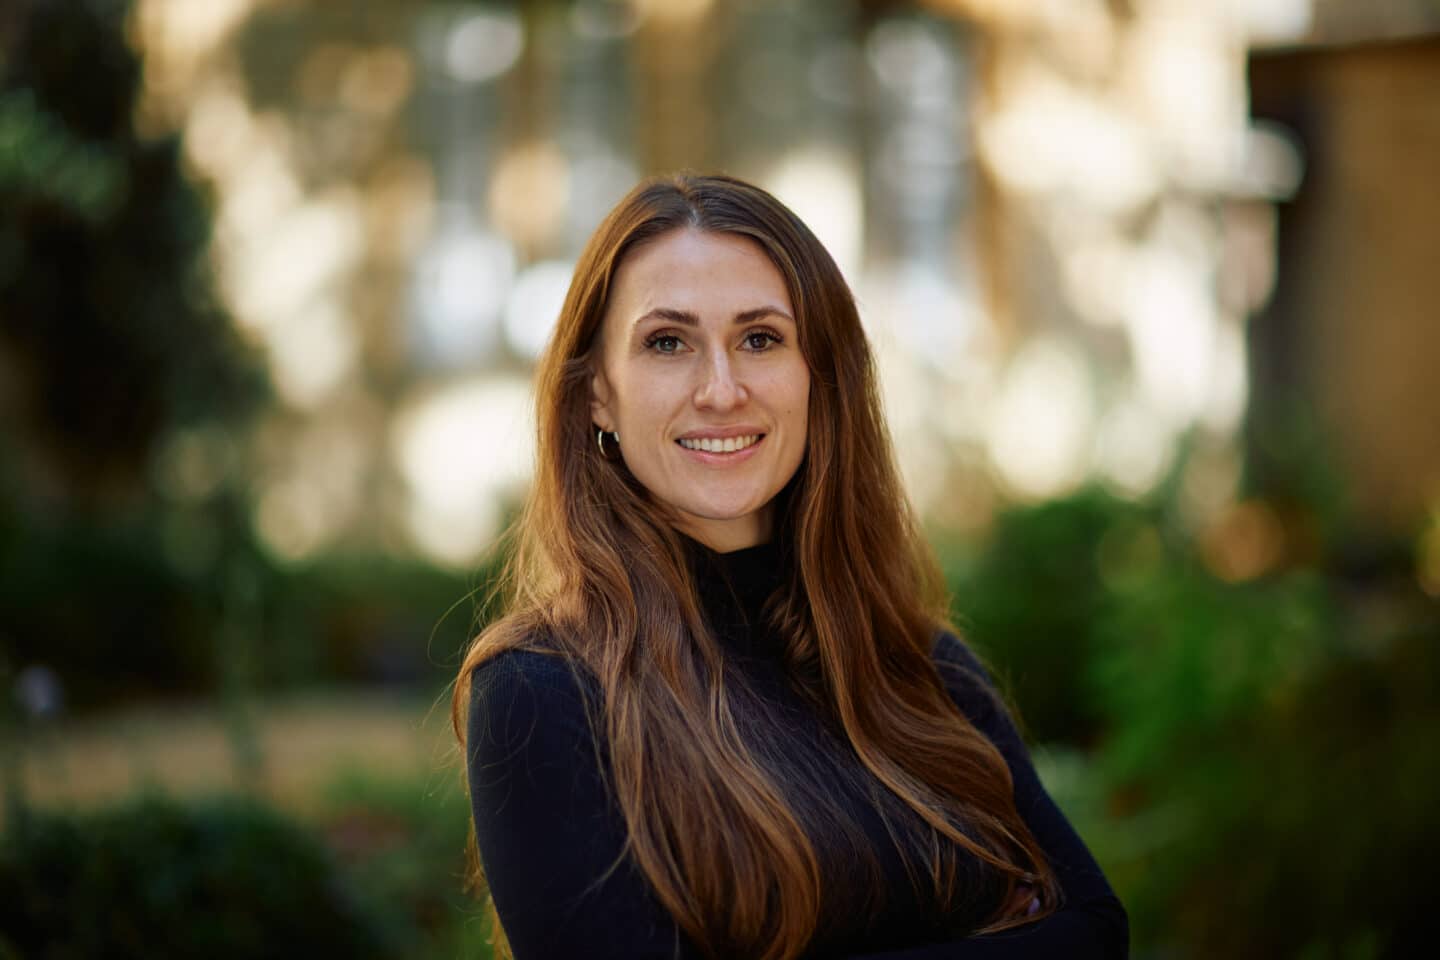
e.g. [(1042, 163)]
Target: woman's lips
[(726, 444), (721, 458)]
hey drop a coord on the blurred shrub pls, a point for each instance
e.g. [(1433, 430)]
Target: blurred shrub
[(1031, 599), (101, 604), (222, 879), (371, 618), (1181, 657), (111, 608), (1267, 792), (1254, 767), (402, 841)]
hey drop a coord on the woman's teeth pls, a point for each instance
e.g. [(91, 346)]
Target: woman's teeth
[(728, 445)]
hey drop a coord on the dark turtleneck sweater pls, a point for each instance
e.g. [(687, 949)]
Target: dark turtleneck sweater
[(549, 830)]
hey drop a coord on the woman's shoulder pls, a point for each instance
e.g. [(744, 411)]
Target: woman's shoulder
[(519, 649), (525, 664), (951, 654), (529, 683), (964, 674)]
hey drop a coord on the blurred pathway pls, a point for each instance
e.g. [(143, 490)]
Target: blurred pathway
[(305, 745)]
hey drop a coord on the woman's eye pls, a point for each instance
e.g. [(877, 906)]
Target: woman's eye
[(663, 343), (760, 339)]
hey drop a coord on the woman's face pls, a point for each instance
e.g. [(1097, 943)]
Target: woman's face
[(700, 372)]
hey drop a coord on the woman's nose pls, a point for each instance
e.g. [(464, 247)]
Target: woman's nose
[(718, 388)]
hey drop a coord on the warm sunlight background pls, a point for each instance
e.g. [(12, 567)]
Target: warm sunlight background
[(1152, 287)]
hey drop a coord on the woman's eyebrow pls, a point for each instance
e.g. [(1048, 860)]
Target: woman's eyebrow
[(689, 319)]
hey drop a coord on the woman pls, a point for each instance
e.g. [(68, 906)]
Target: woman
[(723, 715)]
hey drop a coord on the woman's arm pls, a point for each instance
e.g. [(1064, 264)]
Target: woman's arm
[(547, 830), (549, 833), (1091, 923)]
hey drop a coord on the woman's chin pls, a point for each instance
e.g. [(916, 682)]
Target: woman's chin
[(735, 527)]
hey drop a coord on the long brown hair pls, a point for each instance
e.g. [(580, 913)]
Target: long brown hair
[(600, 574)]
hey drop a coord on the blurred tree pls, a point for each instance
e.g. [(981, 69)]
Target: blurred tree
[(112, 341), (110, 334)]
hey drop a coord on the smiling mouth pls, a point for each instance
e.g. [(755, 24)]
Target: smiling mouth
[(727, 445)]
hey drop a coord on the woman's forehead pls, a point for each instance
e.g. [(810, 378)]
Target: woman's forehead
[(698, 272)]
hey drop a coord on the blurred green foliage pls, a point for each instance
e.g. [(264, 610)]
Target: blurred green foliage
[(150, 620), (403, 842), (376, 872), (110, 340), (1031, 597), (111, 336), (227, 878), (40, 158), (113, 343), (114, 355), (1250, 761)]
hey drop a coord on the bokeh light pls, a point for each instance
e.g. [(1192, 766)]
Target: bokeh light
[(1149, 286), (461, 451)]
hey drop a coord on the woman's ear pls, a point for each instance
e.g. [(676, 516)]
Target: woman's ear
[(600, 394)]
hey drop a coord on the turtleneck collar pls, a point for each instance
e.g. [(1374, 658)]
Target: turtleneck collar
[(734, 587)]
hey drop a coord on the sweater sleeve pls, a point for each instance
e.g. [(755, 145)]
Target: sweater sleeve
[(1091, 923), (551, 839)]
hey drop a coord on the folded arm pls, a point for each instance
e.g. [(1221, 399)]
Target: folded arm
[(1091, 923), (548, 831), (552, 841)]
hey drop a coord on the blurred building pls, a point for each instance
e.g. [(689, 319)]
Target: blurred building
[(1353, 333), (1058, 218)]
